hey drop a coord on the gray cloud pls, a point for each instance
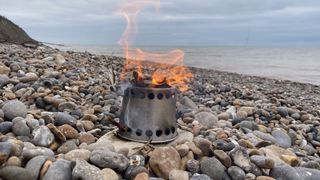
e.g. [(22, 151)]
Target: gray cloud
[(179, 22)]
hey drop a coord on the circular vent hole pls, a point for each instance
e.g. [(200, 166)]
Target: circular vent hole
[(160, 96), (173, 130), (151, 96), (132, 92), (139, 132), (159, 132), (168, 95), (142, 95), (149, 133), (167, 132), (129, 130)]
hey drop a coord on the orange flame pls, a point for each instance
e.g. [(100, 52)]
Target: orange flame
[(170, 69)]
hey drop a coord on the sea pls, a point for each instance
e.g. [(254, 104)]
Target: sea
[(286, 63)]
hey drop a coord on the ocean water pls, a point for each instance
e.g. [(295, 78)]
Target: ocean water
[(296, 64)]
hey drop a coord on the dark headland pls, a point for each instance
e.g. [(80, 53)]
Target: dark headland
[(59, 111)]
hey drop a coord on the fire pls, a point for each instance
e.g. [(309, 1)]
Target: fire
[(169, 68)]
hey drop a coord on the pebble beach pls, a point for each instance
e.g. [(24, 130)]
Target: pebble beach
[(59, 112)]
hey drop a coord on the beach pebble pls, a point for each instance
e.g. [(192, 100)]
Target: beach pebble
[(178, 175), (5, 127), (29, 77), (4, 70), (30, 151), (193, 166), (75, 154), (67, 106), (42, 136), (68, 131), (67, 146), (223, 157), (84, 170), (236, 173), (62, 118), (86, 138), (20, 127), (5, 151), (14, 161), (206, 119), (35, 164), (109, 159), (109, 174), (240, 158), (133, 171), (197, 176), (13, 109), (262, 161), (163, 160), (15, 173), (59, 170), (213, 168), (282, 138), (283, 111)]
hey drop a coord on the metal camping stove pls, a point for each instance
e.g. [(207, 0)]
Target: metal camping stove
[(148, 114)]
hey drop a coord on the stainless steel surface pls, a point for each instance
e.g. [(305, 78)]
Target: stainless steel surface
[(148, 114)]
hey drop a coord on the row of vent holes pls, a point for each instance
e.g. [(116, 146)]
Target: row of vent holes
[(159, 132), (152, 95)]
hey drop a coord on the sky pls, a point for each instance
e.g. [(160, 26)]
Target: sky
[(177, 22)]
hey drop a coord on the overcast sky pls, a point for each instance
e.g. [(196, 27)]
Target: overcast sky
[(179, 22)]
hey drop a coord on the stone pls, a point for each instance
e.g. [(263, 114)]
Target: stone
[(240, 158), (32, 123), (4, 79), (67, 146), (307, 173), (35, 164), (45, 168), (176, 174), (30, 151), (305, 117), (224, 116), (109, 174), (137, 160), (311, 165), (5, 127), (249, 125), (204, 145), (283, 111), (282, 138), (184, 136), (75, 154), (13, 109), (193, 166), (14, 161), (84, 170), (4, 70), (67, 106), (20, 127), (142, 176), (236, 173), (248, 110), (182, 149), (86, 138), (212, 167), (206, 119), (275, 153), (59, 170), (59, 59), (42, 136), (295, 116), (188, 103), (62, 118), (108, 159), (197, 176), (132, 171), (15, 173), (163, 160), (290, 159), (29, 77), (101, 145), (87, 125), (262, 161), (68, 131), (223, 157), (5, 151), (265, 136), (285, 172), (57, 133)]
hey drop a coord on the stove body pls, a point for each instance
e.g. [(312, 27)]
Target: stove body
[(148, 114)]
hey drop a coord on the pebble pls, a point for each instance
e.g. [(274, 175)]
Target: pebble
[(193, 166), (62, 118), (84, 170), (35, 164), (67, 106), (68, 131), (57, 133), (75, 154), (182, 149), (109, 159), (132, 171), (206, 119), (13, 109), (14, 161), (5, 151), (240, 158), (59, 170), (5, 127), (236, 173), (109, 174), (197, 176), (67, 146), (42, 136), (178, 175), (163, 160), (262, 161), (30, 151), (15, 173), (144, 176), (213, 168), (283, 111), (249, 125), (223, 157), (20, 127), (86, 138), (282, 138)]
